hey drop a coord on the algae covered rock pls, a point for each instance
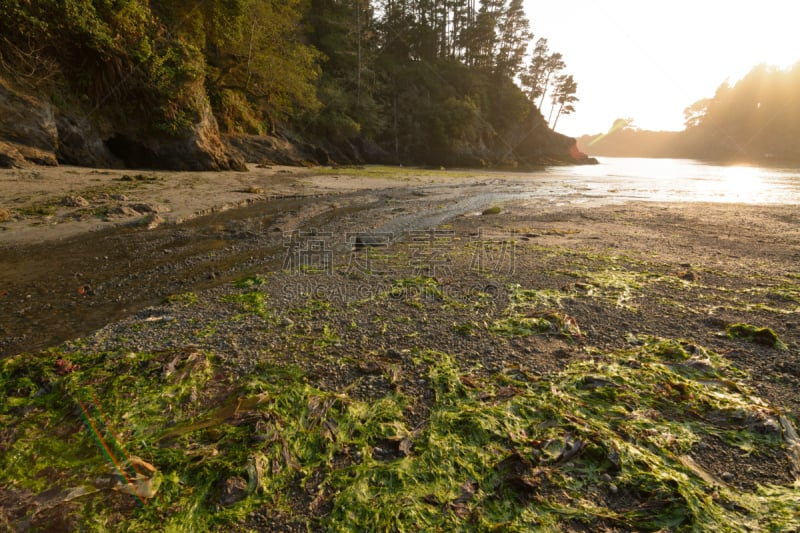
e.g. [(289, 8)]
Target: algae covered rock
[(755, 334)]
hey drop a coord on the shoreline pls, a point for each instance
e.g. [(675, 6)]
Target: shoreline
[(51, 203), (47, 204), (544, 349)]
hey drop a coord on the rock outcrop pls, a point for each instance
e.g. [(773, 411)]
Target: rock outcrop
[(81, 143), (33, 131), (28, 133), (198, 147), (269, 150)]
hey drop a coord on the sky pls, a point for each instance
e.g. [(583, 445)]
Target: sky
[(649, 60)]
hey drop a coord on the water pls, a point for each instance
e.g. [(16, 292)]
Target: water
[(618, 179), (131, 268)]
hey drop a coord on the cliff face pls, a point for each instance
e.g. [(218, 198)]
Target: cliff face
[(147, 85), (28, 132), (196, 147), (35, 131)]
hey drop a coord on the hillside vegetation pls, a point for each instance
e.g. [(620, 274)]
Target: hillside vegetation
[(754, 119), (155, 84)]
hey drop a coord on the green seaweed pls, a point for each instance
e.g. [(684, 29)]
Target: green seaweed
[(496, 452), (254, 302), (755, 334), (249, 282), (548, 323), (528, 313), (185, 299)]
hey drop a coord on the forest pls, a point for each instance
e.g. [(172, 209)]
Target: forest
[(754, 119), (431, 82)]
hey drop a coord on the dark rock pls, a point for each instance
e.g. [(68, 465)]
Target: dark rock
[(266, 150), (81, 143), (196, 148), (35, 132), (233, 491), (10, 157), (28, 131), (143, 208), (370, 241), (393, 353), (123, 211), (370, 368)]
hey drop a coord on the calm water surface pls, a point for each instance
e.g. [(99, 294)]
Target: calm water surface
[(671, 180)]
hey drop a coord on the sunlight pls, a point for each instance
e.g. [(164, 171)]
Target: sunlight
[(740, 182)]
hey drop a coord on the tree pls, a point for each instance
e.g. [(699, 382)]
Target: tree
[(758, 116), (695, 113), (513, 35), (542, 66), (257, 53), (553, 65), (564, 97)]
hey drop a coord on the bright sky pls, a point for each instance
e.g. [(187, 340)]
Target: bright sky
[(650, 60)]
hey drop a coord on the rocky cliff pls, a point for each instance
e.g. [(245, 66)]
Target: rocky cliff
[(35, 131)]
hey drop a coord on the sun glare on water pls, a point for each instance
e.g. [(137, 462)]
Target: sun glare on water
[(740, 183)]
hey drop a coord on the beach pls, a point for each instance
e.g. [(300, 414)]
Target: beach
[(632, 355)]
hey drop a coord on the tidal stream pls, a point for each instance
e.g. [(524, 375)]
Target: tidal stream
[(56, 291)]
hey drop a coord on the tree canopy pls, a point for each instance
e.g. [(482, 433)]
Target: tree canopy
[(417, 81), (757, 117), (754, 119)]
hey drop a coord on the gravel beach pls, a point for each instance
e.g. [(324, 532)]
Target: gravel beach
[(181, 293)]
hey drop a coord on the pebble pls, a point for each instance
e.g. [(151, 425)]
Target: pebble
[(142, 208), (234, 491), (75, 201), (770, 426), (393, 353), (154, 220)]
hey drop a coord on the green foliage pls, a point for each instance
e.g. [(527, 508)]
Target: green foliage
[(757, 117), (256, 49), (418, 81)]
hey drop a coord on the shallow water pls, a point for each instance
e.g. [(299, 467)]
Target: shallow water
[(57, 291), (618, 179)]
